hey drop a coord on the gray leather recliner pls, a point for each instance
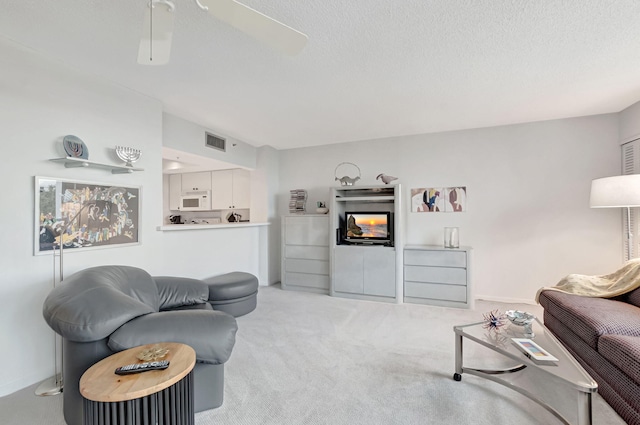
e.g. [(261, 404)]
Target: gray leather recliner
[(102, 310)]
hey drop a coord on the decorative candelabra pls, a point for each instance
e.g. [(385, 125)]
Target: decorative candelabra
[(128, 155)]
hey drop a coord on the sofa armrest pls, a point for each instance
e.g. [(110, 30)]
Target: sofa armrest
[(180, 291), (91, 314), (212, 334)]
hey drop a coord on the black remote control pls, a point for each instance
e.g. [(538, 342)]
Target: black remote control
[(141, 367)]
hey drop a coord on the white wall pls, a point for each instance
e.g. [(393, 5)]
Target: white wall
[(630, 123), (187, 136), (528, 218), (264, 207), (40, 102)]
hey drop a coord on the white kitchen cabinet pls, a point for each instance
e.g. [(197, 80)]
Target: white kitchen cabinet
[(221, 190), (241, 189), (438, 276), (305, 253), (196, 182), (175, 191), (230, 189)]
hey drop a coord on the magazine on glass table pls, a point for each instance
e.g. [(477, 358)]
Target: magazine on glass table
[(533, 350)]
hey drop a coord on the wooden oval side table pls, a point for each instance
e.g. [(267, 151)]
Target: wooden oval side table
[(146, 398)]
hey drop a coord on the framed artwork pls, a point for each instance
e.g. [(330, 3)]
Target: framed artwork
[(84, 215), (455, 199), (428, 199), (436, 199)]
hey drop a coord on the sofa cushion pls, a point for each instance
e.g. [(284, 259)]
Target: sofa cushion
[(92, 303), (590, 318), (617, 388), (204, 306), (210, 333), (132, 281), (231, 286), (633, 297), (624, 352), (177, 292)]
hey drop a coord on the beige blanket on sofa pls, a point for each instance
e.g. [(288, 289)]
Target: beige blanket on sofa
[(611, 285)]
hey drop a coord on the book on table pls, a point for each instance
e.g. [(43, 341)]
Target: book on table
[(533, 350)]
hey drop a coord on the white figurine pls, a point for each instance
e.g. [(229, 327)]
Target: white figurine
[(386, 179)]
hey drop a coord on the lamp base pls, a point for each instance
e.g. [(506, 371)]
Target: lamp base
[(51, 386)]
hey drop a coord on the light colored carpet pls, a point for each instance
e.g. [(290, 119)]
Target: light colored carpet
[(308, 359)]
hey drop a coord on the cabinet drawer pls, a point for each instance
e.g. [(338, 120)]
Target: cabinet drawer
[(435, 258), (307, 252), (306, 266), (307, 280), (449, 275), (306, 230), (435, 291)]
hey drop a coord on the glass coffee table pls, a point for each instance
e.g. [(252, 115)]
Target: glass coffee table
[(562, 387)]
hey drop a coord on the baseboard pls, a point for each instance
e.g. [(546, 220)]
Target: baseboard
[(19, 384), (506, 299)]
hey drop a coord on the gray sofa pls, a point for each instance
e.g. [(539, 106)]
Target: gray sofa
[(106, 309), (604, 336)]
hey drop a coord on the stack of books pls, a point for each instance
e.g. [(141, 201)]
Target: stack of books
[(298, 201)]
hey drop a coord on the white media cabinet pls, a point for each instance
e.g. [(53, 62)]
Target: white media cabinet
[(316, 259), (370, 272)]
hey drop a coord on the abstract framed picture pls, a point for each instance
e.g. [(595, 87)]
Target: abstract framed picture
[(428, 199), (455, 199), (436, 199), (84, 215)]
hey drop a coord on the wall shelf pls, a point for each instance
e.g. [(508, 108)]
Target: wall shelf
[(367, 199), (71, 162)]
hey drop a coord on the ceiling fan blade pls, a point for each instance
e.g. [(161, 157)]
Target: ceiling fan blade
[(259, 26), (157, 32)]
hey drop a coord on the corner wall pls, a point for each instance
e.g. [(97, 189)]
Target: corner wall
[(630, 123), (264, 207), (41, 101)]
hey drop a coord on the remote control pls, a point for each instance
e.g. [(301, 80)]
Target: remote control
[(141, 367)]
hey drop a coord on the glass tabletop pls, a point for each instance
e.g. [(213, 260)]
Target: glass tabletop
[(566, 368)]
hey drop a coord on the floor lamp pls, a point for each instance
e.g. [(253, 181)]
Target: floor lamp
[(618, 192), (55, 384)]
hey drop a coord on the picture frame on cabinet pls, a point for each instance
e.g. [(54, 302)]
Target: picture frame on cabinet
[(84, 215)]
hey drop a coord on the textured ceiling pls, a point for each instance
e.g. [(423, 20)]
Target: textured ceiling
[(371, 68)]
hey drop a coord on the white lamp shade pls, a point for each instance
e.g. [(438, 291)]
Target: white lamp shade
[(616, 192)]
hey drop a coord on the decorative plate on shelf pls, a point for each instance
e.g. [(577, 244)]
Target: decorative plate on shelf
[(75, 147)]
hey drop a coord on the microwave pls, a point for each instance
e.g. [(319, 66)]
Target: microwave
[(195, 201)]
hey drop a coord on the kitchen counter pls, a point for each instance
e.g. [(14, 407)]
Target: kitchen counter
[(174, 227)]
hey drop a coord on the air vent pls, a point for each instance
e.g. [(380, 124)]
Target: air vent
[(216, 142)]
